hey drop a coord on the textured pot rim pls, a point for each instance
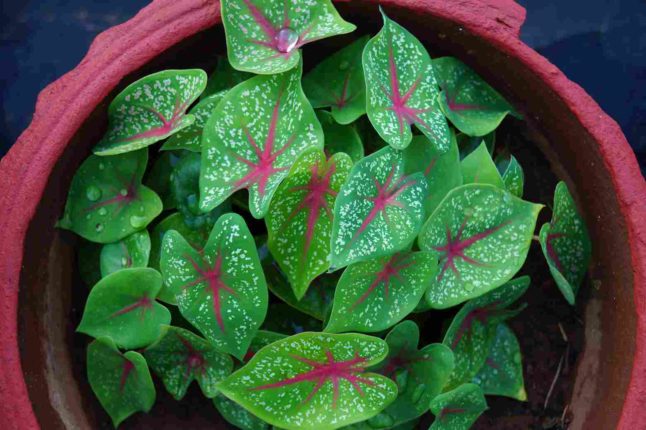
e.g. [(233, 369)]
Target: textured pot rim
[(65, 104)]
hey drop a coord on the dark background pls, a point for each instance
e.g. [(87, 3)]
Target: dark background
[(601, 44)]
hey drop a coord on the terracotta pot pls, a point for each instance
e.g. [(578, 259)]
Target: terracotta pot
[(39, 384)]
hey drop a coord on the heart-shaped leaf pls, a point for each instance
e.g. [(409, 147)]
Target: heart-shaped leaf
[(263, 36), (190, 138), (374, 295), (378, 211), (221, 290), (224, 77), (158, 177), (340, 138), (566, 244), (88, 256), (253, 138), (283, 318), (133, 251), (299, 221), (502, 374), (121, 382), (179, 357), (238, 416), (482, 235), (150, 110), (473, 329), (468, 102), (513, 176), (107, 202), (467, 144), (479, 168), (402, 89), (337, 82), (458, 409), (260, 340), (122, 306), (420, 374), (313, 381)]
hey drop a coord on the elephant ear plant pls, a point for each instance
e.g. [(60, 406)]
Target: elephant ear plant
[(293, 304)]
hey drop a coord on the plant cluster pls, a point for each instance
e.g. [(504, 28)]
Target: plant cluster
[(366, 223)]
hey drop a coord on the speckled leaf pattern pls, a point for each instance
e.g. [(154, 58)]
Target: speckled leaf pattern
[(224, 77), (337, 82), (150, 110), (468, 102), (479, 168), (566, 244), (253, 138), (482, 235), (420, 374), (458, 409), (121, 382), (264, 36), (378, 211), (122, 306), (158, 176), (502, 373), (221, 290), (260, 340), (107, 202), (441, 170), (401, 88), (132, 251), (238, 416), (179, 357), (299, 221), (190, 138), (374, 295), (339, 137), (313, 381), (514, 177), (473, 329)]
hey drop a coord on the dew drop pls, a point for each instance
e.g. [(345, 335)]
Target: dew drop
[(103, 211), (344, 65), (123, 192), (417, 394), (93, 193), (286, 40), (137, 221), (98, 227), (381, 421)]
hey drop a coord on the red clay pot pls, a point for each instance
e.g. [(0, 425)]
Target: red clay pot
[(39, 386)]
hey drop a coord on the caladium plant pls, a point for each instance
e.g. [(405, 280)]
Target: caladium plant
[(459, 408), (158, 176), (132, 251), (478, 168), (339, 137), (238, 416), (512, 175), (223, 78)]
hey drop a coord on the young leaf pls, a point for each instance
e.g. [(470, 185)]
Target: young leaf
[(260, 340), (566, 244), (337, 82), (107, 202), (420, 374), (378, 211), (502, 374), (514, 178), (479, 168), (374, 295), (299, 221), (122, 306), (401, 88), (482, 235), (121, 382), (473, 329), (179, 357), (340, 138), (468, 102), (313, 381), (238, 416), (221, 290), (458, 409), (468, 144), (158, 177), (88, 260), (190, 138), (224, 77), (253, 138), (283, 318), (150, 110), (263, 36), (133, 251)]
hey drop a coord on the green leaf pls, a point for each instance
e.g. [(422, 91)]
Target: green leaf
[(190, 138), (468, 144), (374, 295), (283, 318), (238, 416), (122, 306), (260, 340), (254, 137), (107, 202), (479, 168), (121, 382), (473, 329), (337, 82), (133, 251), (402, 88), (379, 209), (502, 374), (179, 357), (224, 77), (513, 177), (340, 138), (158, 178), (313, 381), (88, 256), (150, 110), (299, 221), (566, 244), (458, 409), (263, 36), (221, 290), (469, 102), (482, 235), (420, 374)]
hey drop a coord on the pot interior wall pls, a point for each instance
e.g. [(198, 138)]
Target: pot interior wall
[(52, 296)]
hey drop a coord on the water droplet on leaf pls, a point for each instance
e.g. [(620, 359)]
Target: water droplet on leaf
[(137, 221), (93, 193), (123, 192), (103, 211), (286, 40)]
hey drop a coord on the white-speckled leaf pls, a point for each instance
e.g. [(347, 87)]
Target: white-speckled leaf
[(514, 177), (190, 138), (458, 409), (238, 416), (261, 340), (132, 251), (478, 168)]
